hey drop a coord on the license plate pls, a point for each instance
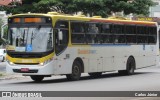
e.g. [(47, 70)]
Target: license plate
[(24, 69)]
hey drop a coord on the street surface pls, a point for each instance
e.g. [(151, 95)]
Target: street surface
[(146, 79), (2, 67)]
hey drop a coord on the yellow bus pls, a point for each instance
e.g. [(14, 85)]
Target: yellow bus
[(42, 45)]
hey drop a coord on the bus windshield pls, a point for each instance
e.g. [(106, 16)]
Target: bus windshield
[(31, 39)]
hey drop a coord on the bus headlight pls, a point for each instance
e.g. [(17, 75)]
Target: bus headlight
[(45, 62), (41, 64), (11, 63)]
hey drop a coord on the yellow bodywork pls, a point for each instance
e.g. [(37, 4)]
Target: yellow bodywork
[(30, 60)]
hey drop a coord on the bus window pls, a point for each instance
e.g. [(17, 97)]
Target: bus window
[(92, 28), (106, 28), (152, 30), (118, 29), (131, 36), (92, 34), (119, 36), (152, 35), (131, 29), (106, 34), (77, 29), (142, 37), (151, 39), (62, 24)]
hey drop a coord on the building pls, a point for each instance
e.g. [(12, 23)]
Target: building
[(3, 16), (155, 10), (156, 1), (7, 2)]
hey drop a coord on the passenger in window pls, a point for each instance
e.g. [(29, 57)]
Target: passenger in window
[(93, 28), (116, 39)]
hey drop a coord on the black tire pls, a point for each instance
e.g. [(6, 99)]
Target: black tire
[(76, 72), (37, 78), (122, 72), (130, 67), (95, 74)]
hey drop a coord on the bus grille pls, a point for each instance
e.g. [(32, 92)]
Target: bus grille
[(26, 63), (25, 56)]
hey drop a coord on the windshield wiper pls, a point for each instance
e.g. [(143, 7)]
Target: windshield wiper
[(23, 36), (32, 37)]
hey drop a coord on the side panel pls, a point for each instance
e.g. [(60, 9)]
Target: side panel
[(95, 59)]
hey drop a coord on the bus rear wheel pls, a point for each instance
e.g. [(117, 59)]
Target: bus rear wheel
[(95, 74), (37, 78), (76, 72), (130, 67)]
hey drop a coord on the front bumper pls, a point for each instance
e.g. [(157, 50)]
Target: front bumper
[(48, 69), (55, 67)]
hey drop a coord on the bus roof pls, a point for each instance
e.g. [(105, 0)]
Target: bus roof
[(84, 18)]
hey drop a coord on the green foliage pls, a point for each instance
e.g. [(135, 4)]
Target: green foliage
[(91, 7), (30, 1), (141, 6), (1, 23), (62, 6), (5, 31)]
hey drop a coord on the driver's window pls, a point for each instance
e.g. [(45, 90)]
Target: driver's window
[(61, 44)]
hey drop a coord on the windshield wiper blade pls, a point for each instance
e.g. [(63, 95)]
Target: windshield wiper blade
[(23, 36), (32, 37)]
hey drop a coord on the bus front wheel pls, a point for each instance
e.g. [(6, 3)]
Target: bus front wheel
[(37, 78), (76, 72)]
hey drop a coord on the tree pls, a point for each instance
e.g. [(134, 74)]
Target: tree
[(91, 7), (141, 6), (134, 6), (1, 23), (30, 1), (62, 6)]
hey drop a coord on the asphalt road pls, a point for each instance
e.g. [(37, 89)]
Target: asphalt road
[(2, 66), (147, 79)]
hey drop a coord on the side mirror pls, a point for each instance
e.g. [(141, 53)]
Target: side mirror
[(60, 35)]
